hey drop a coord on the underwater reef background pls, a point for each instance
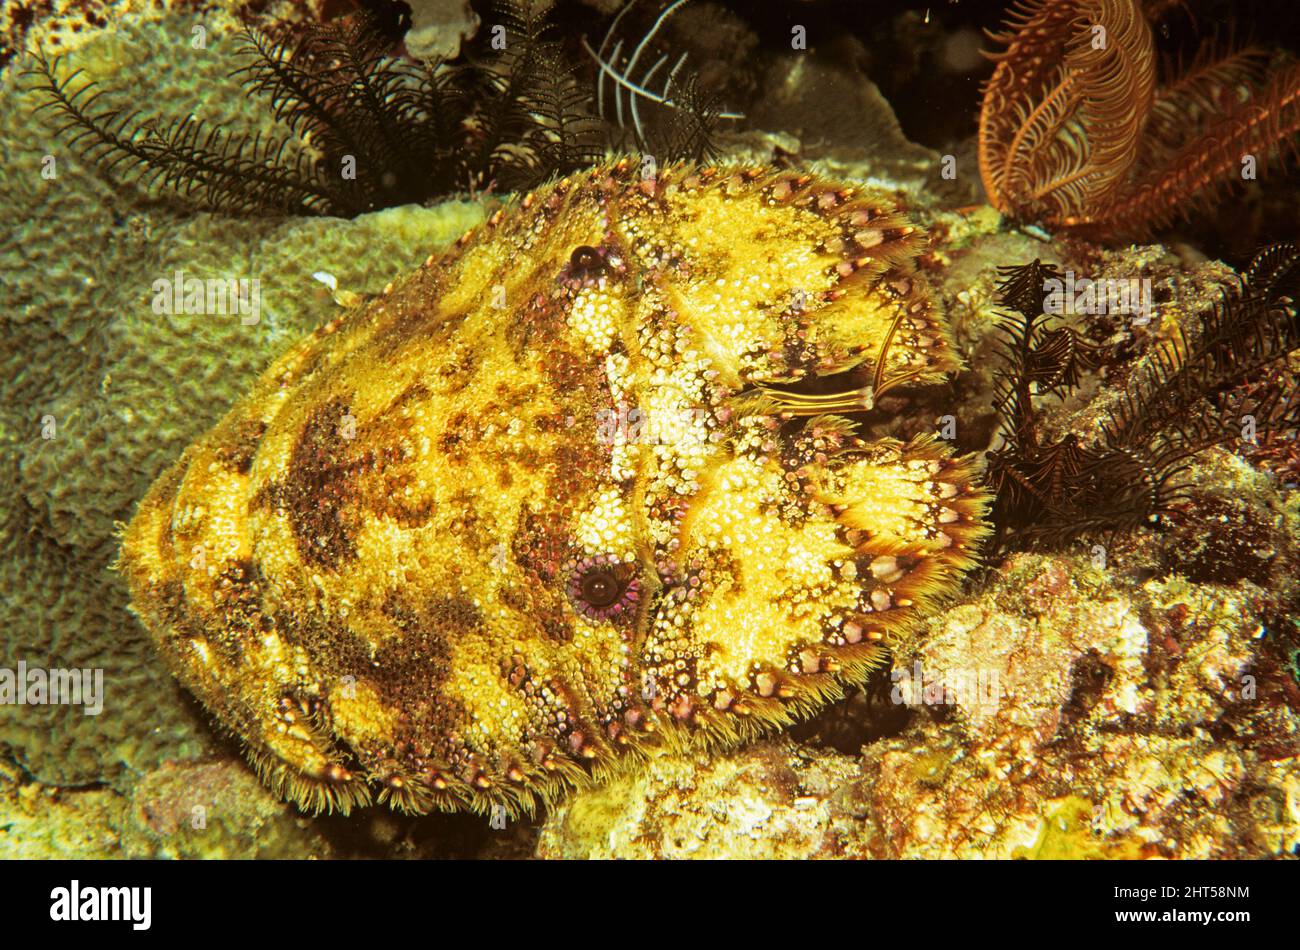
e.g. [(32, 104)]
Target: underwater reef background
[(1150, 695)]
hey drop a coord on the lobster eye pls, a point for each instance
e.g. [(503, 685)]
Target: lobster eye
[(585, 261), (603, 587)]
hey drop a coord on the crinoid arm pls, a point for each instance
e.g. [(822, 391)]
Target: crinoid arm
[(1074, 133), (217, 170), (1203, 129), (633, 83), (360, 128), (1065, 105), (1047, 492)]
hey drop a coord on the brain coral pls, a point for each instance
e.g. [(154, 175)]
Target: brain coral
[(578, 488), (126, 388)]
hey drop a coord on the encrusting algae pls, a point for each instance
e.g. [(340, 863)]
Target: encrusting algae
[(584, 485)]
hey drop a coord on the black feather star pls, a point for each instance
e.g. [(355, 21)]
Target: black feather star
[(1048, 492), (363, 130)]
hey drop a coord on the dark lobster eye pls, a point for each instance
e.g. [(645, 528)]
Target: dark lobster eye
[(603, 587), (585, 261)]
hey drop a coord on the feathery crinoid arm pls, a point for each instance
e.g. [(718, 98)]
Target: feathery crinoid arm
[(1064, 108), (1224, 113)]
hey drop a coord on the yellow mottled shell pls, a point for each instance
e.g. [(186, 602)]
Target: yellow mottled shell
[(585, 484)]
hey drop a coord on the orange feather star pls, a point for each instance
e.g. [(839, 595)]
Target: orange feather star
[(1075, 133)]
